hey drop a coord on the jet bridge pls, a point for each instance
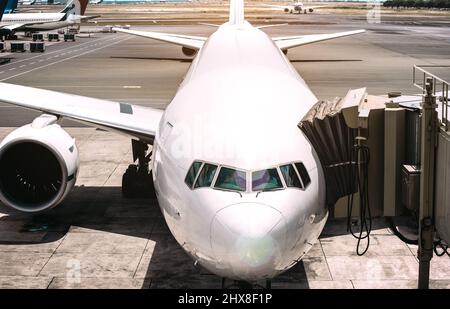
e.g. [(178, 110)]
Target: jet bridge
[(336, 130), (409, 141)]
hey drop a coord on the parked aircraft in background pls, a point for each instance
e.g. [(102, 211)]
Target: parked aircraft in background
[(296, 7), (30, 22)]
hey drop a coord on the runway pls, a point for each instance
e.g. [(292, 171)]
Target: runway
[(111, 242)]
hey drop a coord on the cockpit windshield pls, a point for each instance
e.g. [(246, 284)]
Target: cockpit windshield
[(290, 176), (266, 180), (212, 175), (206, 176), (231, 179)]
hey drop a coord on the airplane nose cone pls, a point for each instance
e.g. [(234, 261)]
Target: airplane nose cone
[(248, 239)]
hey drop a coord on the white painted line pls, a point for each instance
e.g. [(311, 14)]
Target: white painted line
[(23, 65), (2, 72), (32, 62), (68, 58), (132, 87), (11, 69)]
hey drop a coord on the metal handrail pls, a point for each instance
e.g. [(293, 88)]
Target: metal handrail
[(437, 81)]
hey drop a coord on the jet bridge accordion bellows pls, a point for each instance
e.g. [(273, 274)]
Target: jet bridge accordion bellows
[(333, 140)]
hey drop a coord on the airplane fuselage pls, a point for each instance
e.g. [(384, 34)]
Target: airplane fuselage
[(238, 109), (38, 21)]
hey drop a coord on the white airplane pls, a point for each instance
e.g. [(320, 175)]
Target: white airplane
[(239, 185), (29, 22), (296, 7)]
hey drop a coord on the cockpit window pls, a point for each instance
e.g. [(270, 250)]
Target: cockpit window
[(290, 176), (231, 179), (265, 180), (206, 175), (202, 175), (192, 173), (306, 180)]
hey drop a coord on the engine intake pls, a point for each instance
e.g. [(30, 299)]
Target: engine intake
[(38, 167)]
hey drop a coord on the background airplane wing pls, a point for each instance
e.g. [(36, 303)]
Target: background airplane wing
[(281, 7), (195, 42), (294, 41), (136, 121)]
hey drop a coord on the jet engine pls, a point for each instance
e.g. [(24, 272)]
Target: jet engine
[(38, 165)]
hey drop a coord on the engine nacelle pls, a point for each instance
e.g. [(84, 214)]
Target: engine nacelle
[(38, 165), (188, 51)]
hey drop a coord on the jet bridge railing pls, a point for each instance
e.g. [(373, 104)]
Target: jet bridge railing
[(440, 88)]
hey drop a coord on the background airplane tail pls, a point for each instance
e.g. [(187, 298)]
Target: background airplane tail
[(83, 6), (76, 7), (2, 7), (236, 12)]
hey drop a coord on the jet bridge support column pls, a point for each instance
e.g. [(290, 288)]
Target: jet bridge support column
[(427, 183)]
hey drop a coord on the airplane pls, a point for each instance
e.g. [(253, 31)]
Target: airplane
[(31, 22), (239, 185), (296, 7)]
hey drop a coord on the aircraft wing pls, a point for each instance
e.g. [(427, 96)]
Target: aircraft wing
[(281, 7), (293, 41), (83, 17), (89, 17), (135, 121), (195, 42)]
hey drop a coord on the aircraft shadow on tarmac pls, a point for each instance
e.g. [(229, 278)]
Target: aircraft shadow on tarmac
[(164, 264)]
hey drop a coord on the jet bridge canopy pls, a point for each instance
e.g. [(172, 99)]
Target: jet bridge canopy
[(333, 139)]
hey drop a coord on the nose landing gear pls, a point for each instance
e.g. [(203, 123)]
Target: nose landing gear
[(137, 182)]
